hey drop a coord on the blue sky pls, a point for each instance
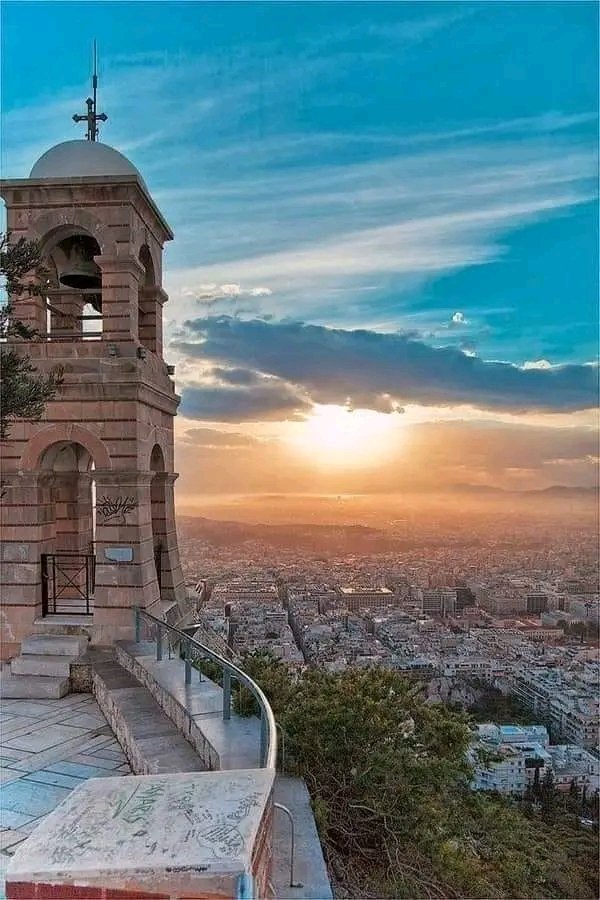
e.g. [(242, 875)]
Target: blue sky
[(423, 168)]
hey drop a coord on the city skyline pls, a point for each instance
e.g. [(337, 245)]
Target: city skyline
[(384, 272)]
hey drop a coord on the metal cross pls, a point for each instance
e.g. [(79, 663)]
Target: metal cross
[(92, 117)]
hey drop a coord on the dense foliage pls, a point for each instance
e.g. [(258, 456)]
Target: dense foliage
[(23, 391), (494, 706), (389, 786)]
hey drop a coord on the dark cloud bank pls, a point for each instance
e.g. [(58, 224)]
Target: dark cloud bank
[(276, 369)]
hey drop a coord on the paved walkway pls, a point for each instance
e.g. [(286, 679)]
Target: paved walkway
[(47, 748)]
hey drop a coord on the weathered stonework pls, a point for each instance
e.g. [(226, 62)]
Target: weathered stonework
[(111, 421)]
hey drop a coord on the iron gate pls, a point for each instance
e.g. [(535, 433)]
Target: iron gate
[(68, 581)]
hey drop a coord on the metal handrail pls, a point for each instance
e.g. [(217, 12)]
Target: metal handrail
[(292, 884), (268, 728)]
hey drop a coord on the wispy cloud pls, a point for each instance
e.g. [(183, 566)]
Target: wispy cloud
[(316, 221), (312, 227), (415, 243), (211, 293), (214, 438)]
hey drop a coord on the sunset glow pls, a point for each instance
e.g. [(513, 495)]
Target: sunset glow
[(437, 254), (336, 437)]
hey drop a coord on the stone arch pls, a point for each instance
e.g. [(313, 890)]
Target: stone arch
[(145, 242), (55, 222), (67, 456), (157, 459), (60, 434), (154, 439), (73, 310), (70, 311), (52, 238), (158, 510), (147, 260), (69, 525)]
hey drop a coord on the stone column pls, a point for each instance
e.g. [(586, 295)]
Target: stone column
[(85, 512), (151, 300), (125, 570), (121, 276), (26, 532), (173, 589)]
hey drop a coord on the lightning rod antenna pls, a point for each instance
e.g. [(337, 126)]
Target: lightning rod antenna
[(95, 75), (92, 117)]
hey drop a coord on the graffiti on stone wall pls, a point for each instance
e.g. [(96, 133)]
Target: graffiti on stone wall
[(184, 822), (113, 510)]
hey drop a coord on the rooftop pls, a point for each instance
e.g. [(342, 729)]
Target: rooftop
[(82, 158)]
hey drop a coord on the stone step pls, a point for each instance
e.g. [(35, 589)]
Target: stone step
[(197, 708), (150, 740), (32, 687), (74, 625), (36, 664), (66, 645)]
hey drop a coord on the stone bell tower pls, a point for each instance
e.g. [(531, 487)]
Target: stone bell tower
[(87, 524)]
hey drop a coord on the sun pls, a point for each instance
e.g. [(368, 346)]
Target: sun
[(337, 437)]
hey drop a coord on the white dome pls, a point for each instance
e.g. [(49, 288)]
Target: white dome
[(76, 158)]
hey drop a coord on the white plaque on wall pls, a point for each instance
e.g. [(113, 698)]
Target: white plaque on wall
[(119, 554)]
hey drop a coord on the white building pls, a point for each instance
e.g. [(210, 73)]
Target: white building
[(358, 597), (506, 757), (500, 769), (571, 764)]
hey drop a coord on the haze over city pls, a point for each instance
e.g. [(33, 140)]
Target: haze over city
[(384, 270)]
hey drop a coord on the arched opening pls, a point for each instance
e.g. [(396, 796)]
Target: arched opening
[(158, 510), (68, 565), (147, 308), (74, 289)]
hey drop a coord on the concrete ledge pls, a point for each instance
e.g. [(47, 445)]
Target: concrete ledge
[(171, 836), (310, 871), (149, 739), (196, 709), (64, 625)]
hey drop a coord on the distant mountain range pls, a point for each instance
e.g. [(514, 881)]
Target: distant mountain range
[(344, 539), (555, 490)]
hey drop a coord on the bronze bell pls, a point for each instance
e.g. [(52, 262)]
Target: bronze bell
[(81, 272)]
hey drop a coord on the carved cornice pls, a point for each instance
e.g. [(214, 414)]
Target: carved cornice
[(74, 184)]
